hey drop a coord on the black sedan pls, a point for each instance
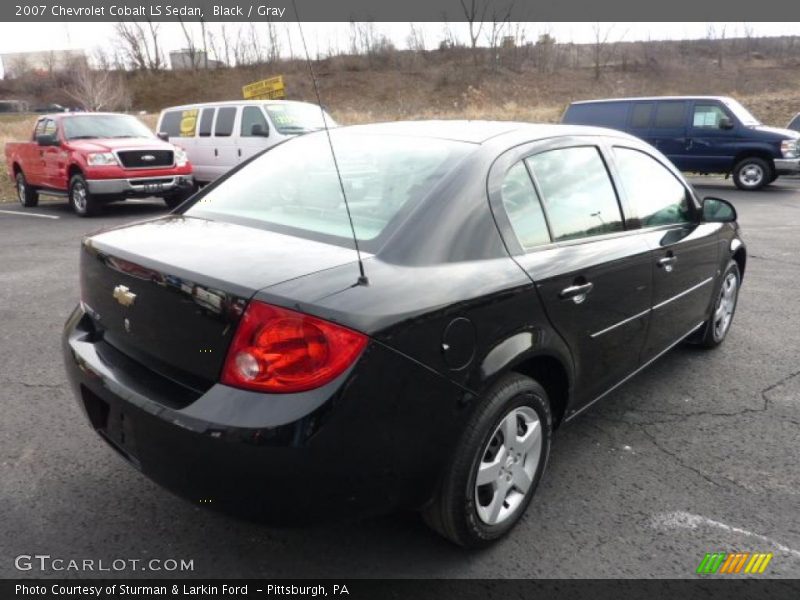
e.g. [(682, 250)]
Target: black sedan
[(242, 352)]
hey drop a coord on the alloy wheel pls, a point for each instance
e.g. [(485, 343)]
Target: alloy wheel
[(508, 465), (752, 175), (79, 197), (21, 189), (726, 304)]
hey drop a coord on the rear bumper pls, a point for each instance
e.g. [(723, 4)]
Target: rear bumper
[(787, 166), (141, 186), (338, 451)]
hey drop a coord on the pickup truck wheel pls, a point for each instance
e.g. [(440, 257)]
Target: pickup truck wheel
[(28, 197), (80, 199), (752, 174), (176, 199)]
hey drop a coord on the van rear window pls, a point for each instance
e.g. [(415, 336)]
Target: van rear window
[(206, 121), (670, 115), (601, 114)]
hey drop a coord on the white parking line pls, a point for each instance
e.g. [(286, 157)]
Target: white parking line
[(28, 214), (685, 520)]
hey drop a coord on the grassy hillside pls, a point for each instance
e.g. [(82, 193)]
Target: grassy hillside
[(531, 83)]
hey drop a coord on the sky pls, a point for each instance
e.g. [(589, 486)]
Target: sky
[(23, 37)]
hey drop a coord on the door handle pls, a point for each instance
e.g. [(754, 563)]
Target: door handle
[(667, 263), (216, 152), (239, 151), (576, 292)]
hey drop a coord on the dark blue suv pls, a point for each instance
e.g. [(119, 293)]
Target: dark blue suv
[(700, 134)]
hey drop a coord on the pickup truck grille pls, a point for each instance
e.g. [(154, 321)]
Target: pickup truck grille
[(145, 159)]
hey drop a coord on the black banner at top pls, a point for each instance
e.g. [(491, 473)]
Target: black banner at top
[(396, 10)]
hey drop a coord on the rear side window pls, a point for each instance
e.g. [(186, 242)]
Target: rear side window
[(523, 208), (577, 192), (171, 123), (603, 114), (670, 114), (39, 130), (252, 116), (640, 114), (655, 194), (49, 127), (206, 121), (225, 118)]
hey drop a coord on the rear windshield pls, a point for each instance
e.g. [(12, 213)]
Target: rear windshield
[(293, 188), (105, 126), (297, 117)]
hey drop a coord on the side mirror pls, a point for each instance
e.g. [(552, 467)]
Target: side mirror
[(257, 130), (725, 123), (163, 135), (717, 210), (47, 139)]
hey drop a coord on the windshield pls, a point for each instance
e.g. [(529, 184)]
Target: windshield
[(104, 126), (741, 113), (293, 188), (297, 117)]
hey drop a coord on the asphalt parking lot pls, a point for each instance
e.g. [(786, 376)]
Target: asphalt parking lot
[(697, 454)]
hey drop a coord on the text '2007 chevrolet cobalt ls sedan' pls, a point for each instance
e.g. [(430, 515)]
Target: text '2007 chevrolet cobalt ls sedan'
[(513, 274)]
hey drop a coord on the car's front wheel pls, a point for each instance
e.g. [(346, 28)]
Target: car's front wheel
[(80, 199), (718, 325), (497, 465), (752, 174), (27, 196)]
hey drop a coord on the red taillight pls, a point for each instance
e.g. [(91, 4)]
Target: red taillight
[(280, 351)]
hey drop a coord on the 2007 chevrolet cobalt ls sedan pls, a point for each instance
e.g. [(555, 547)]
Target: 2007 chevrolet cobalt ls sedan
[(513, 274)]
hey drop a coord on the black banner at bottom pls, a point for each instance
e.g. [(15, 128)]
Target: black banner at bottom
[(374, 589)]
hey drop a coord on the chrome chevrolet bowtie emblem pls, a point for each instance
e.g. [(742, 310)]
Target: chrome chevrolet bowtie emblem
[(148, 157), (124, 296)]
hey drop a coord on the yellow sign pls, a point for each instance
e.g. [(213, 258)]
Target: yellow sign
[(188, 122), (266, 89)]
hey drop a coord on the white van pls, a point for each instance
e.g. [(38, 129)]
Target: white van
[(217, 136)]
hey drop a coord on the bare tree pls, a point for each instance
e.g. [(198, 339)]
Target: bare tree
[(273, 39), (141, 46), (97, 90), (600, 47), (475, 14), (415, 40), (191, 48)]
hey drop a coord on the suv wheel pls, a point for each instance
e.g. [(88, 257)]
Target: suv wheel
[(82, 202), (497, 465), (752, 174), (27, 196)]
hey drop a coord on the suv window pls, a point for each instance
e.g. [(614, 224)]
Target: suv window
[(577, 193), (49, 127), (654, 192), (206, 120), (708, 115), (39, 130), (171, 123), (670, 114), (640, 115), (252, 115), (523, 208), (225, 118)]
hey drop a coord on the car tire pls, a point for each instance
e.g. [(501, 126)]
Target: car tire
[(27, 196), (719, 323), (474, 514), (80, 199), (751, 174)]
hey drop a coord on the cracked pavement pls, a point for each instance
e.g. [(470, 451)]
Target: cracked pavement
[(697, 454)]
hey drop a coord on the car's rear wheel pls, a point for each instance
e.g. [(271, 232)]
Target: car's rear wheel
[(752, 174), (27, 196), (718, 325), (80, 199), (497, 465)]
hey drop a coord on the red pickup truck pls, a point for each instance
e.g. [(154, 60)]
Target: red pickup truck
[(92, 158)]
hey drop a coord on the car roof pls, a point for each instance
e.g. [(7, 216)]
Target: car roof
[(651, 99), (69, 115), (479, 132), (233, 103)]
